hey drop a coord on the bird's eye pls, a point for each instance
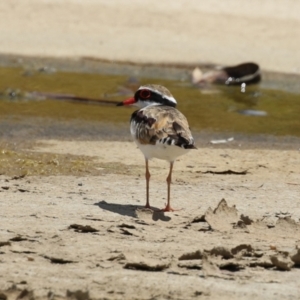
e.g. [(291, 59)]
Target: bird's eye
[(145, 94)]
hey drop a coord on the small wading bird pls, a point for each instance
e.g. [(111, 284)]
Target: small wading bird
[(159, 129)]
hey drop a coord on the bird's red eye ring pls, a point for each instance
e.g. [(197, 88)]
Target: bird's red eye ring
[(145, 94)]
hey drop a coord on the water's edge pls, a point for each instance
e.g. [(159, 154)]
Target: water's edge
[(272, 80)]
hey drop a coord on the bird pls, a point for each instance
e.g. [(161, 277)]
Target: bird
[(159, 130)]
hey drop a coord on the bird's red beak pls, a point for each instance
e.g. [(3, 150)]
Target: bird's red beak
[(128, 101)]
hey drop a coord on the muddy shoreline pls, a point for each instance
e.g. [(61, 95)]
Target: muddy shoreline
[(169, 71)]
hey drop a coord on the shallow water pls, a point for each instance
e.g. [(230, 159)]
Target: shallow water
[(215, 109)]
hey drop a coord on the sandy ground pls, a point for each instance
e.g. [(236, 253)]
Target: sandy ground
[(89, 236), (226, 33)]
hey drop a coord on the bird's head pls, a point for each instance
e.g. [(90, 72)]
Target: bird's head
[(150, 94)]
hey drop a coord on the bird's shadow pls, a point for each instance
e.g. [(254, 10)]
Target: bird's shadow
[(133, 210)]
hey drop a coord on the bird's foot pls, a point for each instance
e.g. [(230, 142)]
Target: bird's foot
[(147, 206), (169, 208)]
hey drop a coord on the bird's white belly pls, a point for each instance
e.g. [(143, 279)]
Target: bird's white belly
[(161, 151)]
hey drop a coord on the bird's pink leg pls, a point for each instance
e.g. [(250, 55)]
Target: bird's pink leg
[(147, 175), (169, 180)]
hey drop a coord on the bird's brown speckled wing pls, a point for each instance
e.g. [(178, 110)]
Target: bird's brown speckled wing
[(161, 125)]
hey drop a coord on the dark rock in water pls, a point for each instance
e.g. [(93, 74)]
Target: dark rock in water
[(248, 73)]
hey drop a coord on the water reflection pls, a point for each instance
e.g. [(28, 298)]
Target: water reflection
[(249, 96)]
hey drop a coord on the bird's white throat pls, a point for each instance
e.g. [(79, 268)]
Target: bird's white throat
[(142, 104)]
